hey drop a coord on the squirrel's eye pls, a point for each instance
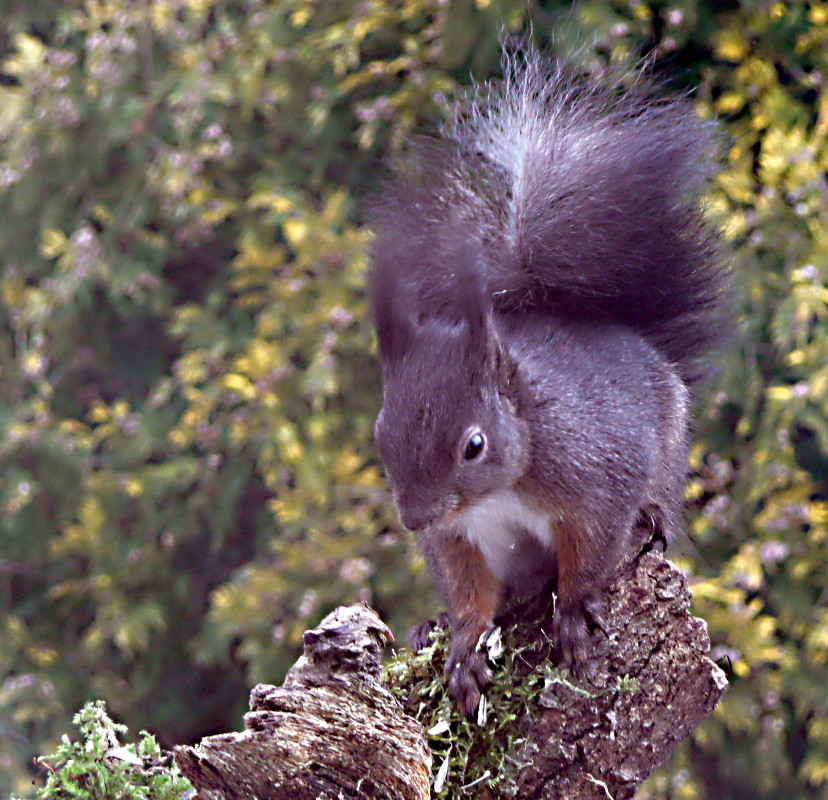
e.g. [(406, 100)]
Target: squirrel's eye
[(474, 446)]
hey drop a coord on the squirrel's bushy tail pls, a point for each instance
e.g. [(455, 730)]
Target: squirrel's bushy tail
[(585, 201)]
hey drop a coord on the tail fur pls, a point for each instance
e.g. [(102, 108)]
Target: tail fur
[(583, 198)]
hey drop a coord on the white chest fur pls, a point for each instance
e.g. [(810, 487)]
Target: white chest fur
[(497, 523)]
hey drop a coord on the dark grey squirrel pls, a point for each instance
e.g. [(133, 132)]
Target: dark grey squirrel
[(547, 295)]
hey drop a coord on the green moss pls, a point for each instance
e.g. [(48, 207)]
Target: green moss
[(100, 767), (467, 755)]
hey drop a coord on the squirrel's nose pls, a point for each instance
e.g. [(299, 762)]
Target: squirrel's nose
[(415, 521), (415, 516)]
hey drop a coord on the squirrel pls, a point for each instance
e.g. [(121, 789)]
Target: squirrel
[(546, 293)]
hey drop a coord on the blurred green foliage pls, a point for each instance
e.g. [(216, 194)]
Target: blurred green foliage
[(187, 479)]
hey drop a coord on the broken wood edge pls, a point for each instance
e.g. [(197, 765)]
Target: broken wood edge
[(332, 731)]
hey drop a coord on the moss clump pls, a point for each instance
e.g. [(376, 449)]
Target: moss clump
[(101, 767), (472, 754)]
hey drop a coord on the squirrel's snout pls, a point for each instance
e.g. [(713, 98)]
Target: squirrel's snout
[(414, 513), (417, 514), (416, 519)]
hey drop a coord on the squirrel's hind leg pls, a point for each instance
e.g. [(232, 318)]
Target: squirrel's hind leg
[(586, 559)]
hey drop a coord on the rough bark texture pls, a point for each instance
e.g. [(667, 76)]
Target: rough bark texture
[(333, 731), (650, 683)]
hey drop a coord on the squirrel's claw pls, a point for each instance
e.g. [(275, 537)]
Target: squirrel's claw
[(419, 636), (572, 635), (468, 675), (466, 668), (596, 613)]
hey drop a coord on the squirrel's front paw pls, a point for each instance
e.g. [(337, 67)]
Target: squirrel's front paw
[(572, 631), (468, 675), (420, 635)]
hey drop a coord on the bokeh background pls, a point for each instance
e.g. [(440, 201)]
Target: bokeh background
[(188, 379)]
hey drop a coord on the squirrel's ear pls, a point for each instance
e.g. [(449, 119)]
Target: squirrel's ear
[(474, 303), (394, 326), (391, 312)]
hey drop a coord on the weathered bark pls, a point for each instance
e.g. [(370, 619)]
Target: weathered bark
[(332, 731), (650, 683)]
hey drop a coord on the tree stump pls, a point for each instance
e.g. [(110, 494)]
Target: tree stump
[(330, 732), (333, 731)]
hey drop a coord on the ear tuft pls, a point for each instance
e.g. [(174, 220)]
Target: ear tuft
[(474, 305), (392, 315)]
